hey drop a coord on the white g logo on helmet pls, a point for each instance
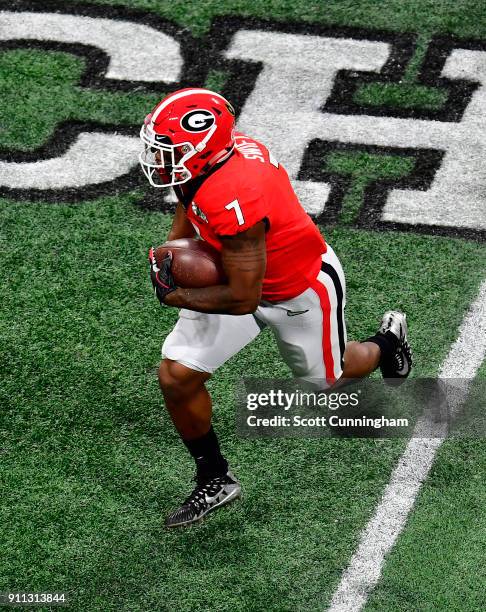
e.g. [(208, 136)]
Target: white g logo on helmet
[(199, 120)]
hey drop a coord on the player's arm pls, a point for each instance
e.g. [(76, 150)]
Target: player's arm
[(181, 226), (244, 262)]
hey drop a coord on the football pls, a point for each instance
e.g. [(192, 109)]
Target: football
[(195, 263)]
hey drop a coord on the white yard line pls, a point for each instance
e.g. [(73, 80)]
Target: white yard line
[(465, 357)]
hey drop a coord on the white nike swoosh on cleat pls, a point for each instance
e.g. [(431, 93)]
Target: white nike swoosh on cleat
[(211, 500)]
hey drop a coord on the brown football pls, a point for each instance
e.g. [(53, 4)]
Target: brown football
[(195, 263)]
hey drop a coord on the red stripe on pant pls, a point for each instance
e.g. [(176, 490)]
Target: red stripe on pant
[(323, 294)]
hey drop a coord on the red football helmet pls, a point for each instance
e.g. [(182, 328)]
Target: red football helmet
[(186, 134)]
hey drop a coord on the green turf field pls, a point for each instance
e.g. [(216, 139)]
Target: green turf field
[(89, 461)]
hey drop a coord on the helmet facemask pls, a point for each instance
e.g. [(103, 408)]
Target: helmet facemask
[(163, 162)]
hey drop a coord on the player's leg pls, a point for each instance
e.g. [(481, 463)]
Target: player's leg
[(186, 398), (360, 359), (314, 343), (189, 404), (196, 347), (388, 348), (310, 329)]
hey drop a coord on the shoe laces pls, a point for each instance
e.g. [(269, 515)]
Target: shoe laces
[(197, 498)]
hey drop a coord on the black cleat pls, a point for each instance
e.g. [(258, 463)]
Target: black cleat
[(206, 496), (396, 369)]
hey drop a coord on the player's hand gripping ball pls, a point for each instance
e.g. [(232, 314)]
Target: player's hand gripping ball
[(161, 277), (195, 263)]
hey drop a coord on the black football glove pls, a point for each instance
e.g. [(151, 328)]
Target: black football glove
[(161, 278)]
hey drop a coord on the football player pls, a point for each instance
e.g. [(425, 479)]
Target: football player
[(281, 274)]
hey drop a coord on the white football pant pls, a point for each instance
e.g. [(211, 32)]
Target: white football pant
[(309, 329)]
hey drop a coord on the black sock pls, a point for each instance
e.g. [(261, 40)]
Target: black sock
[(388, 344), (207, 455)]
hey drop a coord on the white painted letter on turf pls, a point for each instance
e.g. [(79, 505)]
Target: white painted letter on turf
[(92, 158), (297, 77), (284, 112)]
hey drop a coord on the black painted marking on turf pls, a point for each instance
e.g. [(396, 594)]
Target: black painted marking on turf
[(242, 76), (426, 163), (194, 73), (241, 83), (96, 59), (348, 82)]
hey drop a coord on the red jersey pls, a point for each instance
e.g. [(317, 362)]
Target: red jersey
[(249, 187)]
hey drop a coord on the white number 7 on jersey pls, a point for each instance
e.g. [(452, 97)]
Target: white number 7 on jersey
[(235, 205)]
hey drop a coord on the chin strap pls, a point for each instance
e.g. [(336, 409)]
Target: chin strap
[(202, 145)]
